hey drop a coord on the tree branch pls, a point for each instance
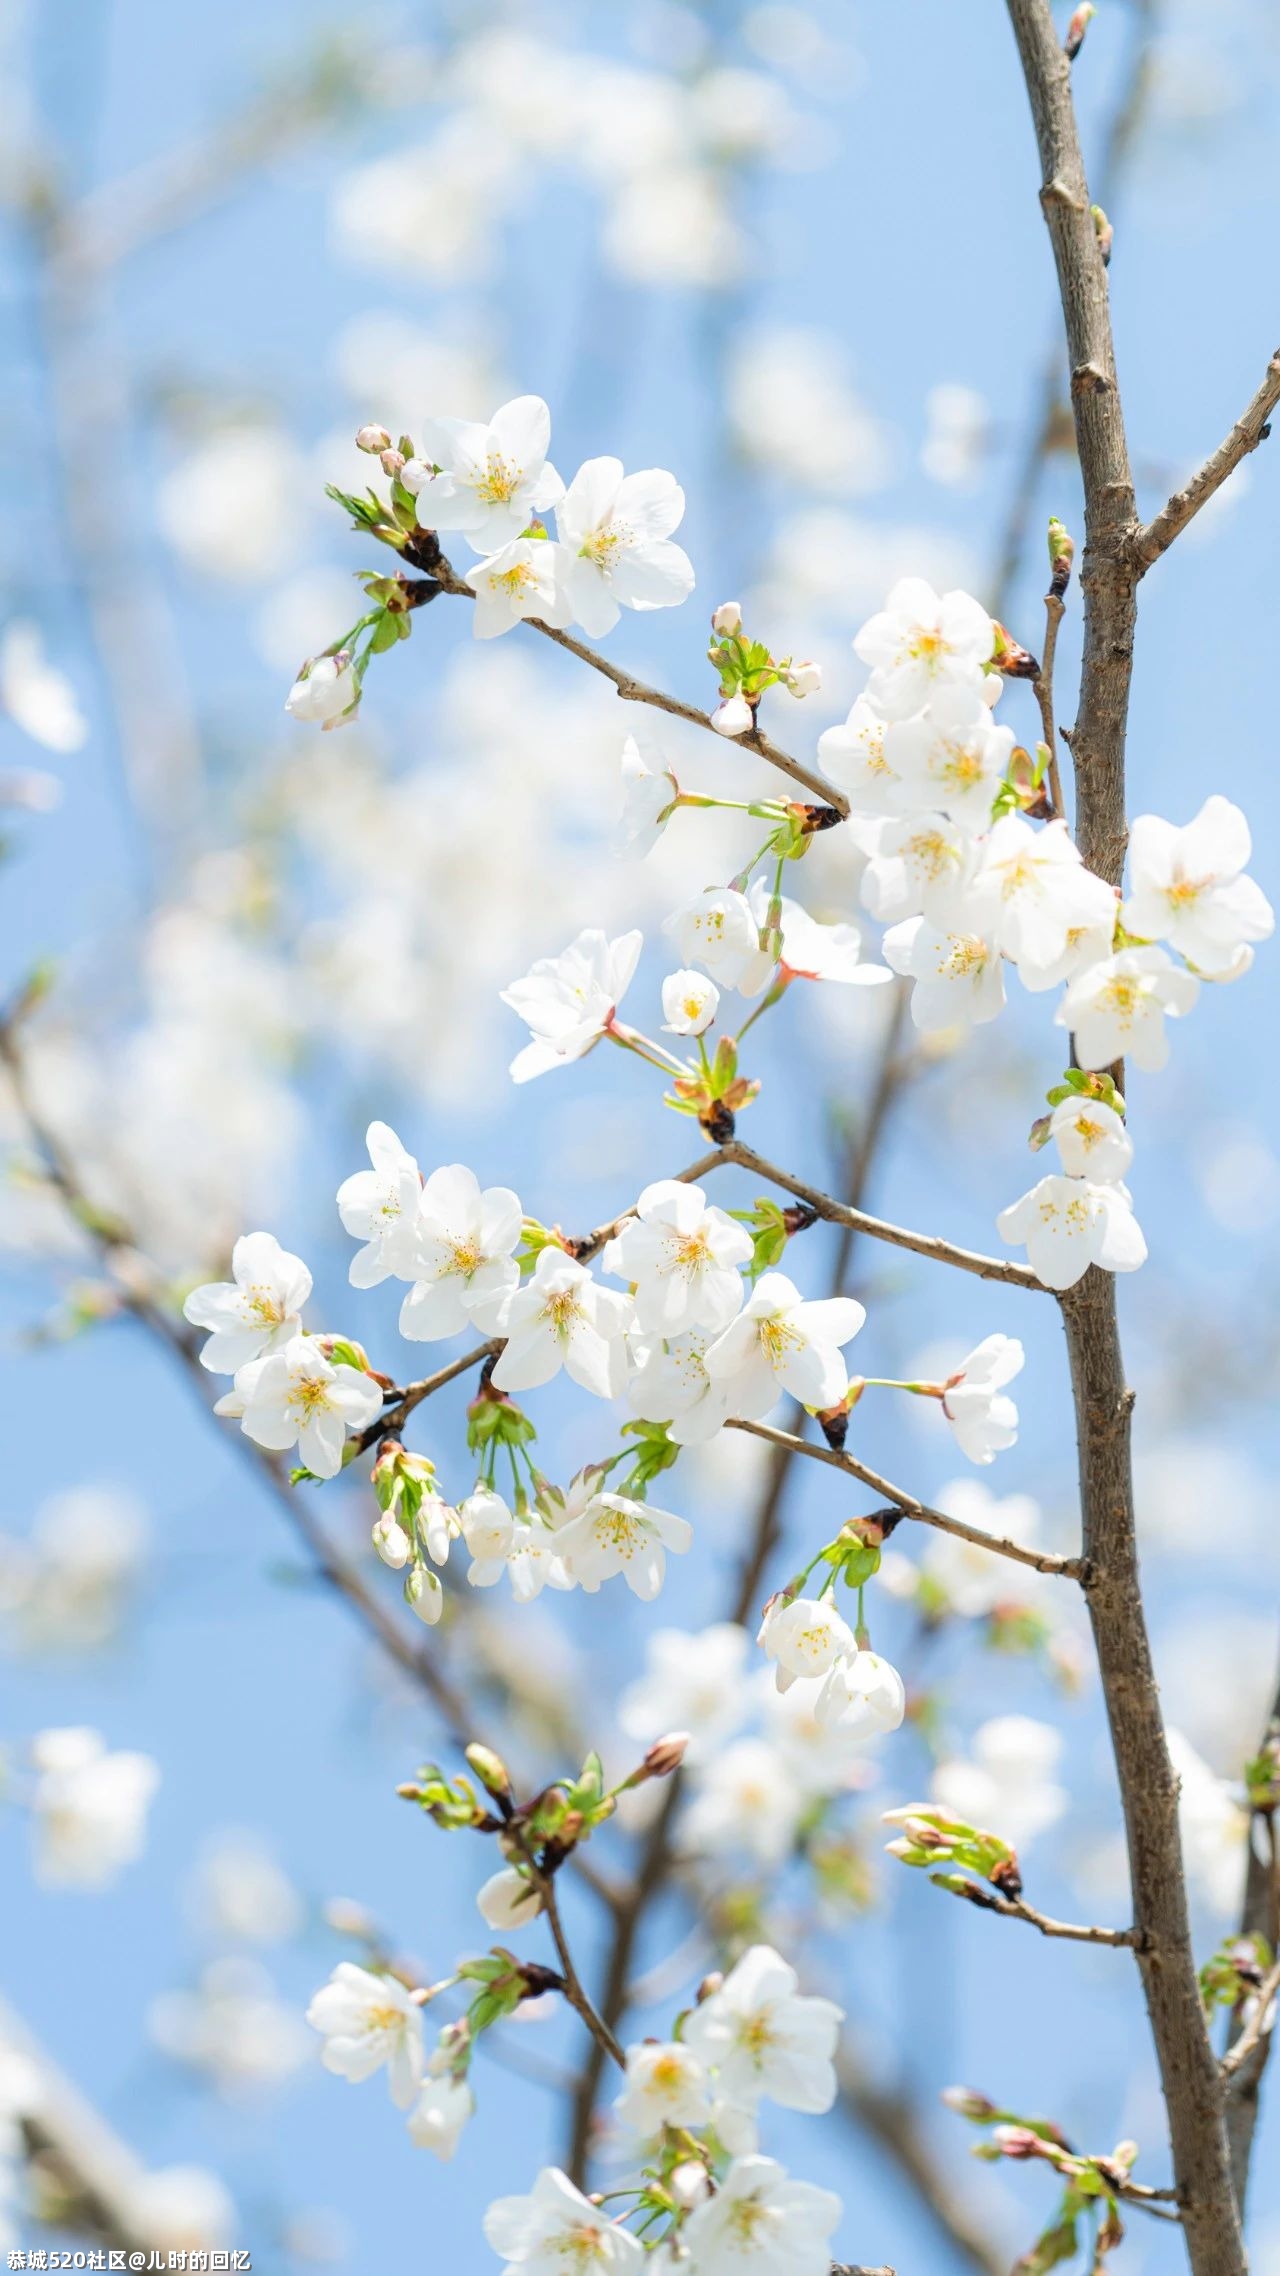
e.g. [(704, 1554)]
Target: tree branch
[(1193, 2090), (1250, 429), (906, 1505), (1013, 1908), (1260, 1916)]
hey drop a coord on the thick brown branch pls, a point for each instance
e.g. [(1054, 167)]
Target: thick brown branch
[(1193, 2090), (1040, 1560), (1250, 429)]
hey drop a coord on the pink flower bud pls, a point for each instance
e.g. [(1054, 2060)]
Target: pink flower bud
[(727, 619), (372, 439)]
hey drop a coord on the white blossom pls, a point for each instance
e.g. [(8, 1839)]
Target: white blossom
[(779, 1342), (89, 1807), (1033, 889), (959, 976), (1187, 886), (233, 2027), (854, 756), (761, 2223), (813, 951), (745, 1804), (665, 2085), (424, 1596), (616, 532), (691, 1683), (1067, 1224), (378, 1206), (438, 2118), (556, 2229), (951, 756), (719, 931), (1005, 1784), (296, 1397), (669, 1383), (524, 1548), (325, 692), (563, 1318), (568, 1001), (1091, 1139), (464, 1266), (486, 481), (507, 1900), (257, 1311), (615, 1534), (762, 2036), (683, 1257), (648, 791), (366, 2021), (863, 1696), (36, 696), (690, 1003), (524, 578), (805, 1637), (1117, 1009), (919, 865), (734, 716), (391, 1542), (919, 643), (974, 1402)]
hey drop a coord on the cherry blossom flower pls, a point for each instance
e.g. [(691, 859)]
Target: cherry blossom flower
[(813, 951), (36, 696), (649, 790), (1085, 944), (761, 2036), (439, 2116), (918, 865), (524, 578), (486, 481), (761, 2223), (1117, 1009), (690, 1003), (669, 1384), (568, 1001), (951, 756), (507, 1900), (691, 1683), (424, 1596), (563, 1318), (666, 2085), (959, 976), (325, 693), (745, 1805), (1187, 886), (555, 2228), (524, 1548), (366, 2021), (984, 1420), (464, 1266), (617, 1535), (805, 1637), (1006, 1781), (89, 1808), (719, 931), (296, 1397), (390, 1541), (683, 1257), (779, 1342), (734, 716), (1091, 1139), (855, 758), (378, 1206), (1068, 1223), (919, 643), (616, 532), (257, 1311), (1033, 888), (864, 1696)]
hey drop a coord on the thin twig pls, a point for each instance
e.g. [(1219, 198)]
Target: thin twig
[(1259, 2028), (1250, 429), (1040, 1560), (1054, 609), (985, 1899)]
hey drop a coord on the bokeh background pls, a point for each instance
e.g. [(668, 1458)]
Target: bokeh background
[(796, 256)]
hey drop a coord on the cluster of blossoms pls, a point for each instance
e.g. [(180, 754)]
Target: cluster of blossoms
[(705, 2200), (88, 1807), (940, 804)]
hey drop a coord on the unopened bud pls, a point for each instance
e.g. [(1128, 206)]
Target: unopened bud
[(391, 1541), (1006, 1876), (1105, 232), (373, 439), (689, 2184), (1019, 2142), (1077, 28), (491, 1771), (967, 2104), (804, 679), (1062, 552), (709, 1986), (734, 717), (392, 462), (666, 1754), (727, 619), (1011, 658), (424, 1595)]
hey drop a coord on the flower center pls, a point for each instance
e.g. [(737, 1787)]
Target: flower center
[(465, 1257), (965, 958), (930, 852), (604, 544), (498, 480), (263, 1304), (308, 1398), (512, 581), (561, 1310)]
